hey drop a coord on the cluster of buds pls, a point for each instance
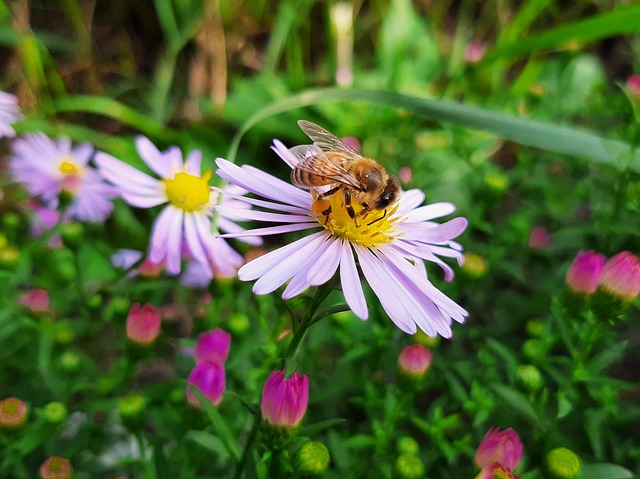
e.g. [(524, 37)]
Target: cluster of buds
[(499, 454), (208, 375), (614, 284)]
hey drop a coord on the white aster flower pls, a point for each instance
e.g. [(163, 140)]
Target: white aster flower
[(49, 168), (389, 247), (185, 223), (9, 114)]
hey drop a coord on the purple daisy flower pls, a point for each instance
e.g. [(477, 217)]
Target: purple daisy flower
[(185, 224), (389, 247), (9, 114), (48, 168)]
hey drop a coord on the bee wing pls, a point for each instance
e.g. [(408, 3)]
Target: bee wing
[(327, 140), (314, 161)]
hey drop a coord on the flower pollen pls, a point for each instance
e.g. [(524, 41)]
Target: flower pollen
[(68, 168), (188, 192), (371, 229)]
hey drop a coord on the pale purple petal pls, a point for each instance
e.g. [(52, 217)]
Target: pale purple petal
[(409, 200), (284, 153), (154, 159), (350, 281), (325, 269), (272, 230), (227, 226), (192, 163), (242, 214), (429, 212), (160, 233)]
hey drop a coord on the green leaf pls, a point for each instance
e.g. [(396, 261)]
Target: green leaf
[(547, 136), (208, 441), (312, 429), (219, 424), (514, 399), (605, 471), (606, 358)]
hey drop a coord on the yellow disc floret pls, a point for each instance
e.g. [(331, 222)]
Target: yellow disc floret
[(188, 192), (68, 168), (369, 229)]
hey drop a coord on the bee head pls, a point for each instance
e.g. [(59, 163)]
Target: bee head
[(390, 195)]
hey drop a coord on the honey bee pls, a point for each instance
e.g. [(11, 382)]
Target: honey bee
[(330, 162)]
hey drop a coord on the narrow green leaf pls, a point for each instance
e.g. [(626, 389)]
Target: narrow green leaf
[(514, 399), (606, 358), (605, 471), (208, 441), (312, 429), (546, 136), (219, 424)]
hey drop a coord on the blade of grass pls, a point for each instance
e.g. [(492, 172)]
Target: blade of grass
[(546, 136)]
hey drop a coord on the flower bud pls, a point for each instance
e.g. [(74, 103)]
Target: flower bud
[(409, 466), (474, 52), (503, 447), (405, 174), (633, 86), (562, 463), (213, 346), (150, 269), (56, 468), (132, 410), (13, 413), (415, 360), (210, 379), (529, 376), (9, 256), (474, 265), (36, 301), (70, 361), (284, 400), (539, 238), (55, 412), (311, 459), (143, 324), (584, 273), (621, 276), (496, 182), (238, 323), (408, 445), (72, 234), (535, 328)]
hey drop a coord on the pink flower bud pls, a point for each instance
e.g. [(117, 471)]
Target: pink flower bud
[(405, 174), (539, 238), (213, 346), (56, 468), (352, 142), (496, 470), (474, 52), (210, 379), (621, 276), (143, 324), (36, 301), (284, 400), (13, 413), (633, 86), (502, 447), (415, 360), (585, 271)]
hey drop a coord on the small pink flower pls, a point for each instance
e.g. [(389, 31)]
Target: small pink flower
[(633, 85), (502, 447), (474, 52), (143, 324), (210, 379), (585, 271), (352, 142), (496, 471), (621, 276), (213, 346), (284, 400), (539, 238), (415, 360), (56, 468), (405, 174), (35, 300)]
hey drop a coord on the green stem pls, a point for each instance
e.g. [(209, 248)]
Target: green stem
[(247, 449)]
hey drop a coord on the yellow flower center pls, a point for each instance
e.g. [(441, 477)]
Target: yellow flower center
[(68, 168), (369, 229), (188, 192)]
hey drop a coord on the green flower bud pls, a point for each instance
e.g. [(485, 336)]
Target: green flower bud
[(312, 459), (408, 445), (95, 301), (10, 221), (529, 376), (64, 334), (55, 412), (535, 328), (120, 305), (409, 466), (533, 348), (70, 361), (9, 256), (4, 242), (238, 324), (132, 410), (496, 182), (475, 266), (562, 463), (72, 234)]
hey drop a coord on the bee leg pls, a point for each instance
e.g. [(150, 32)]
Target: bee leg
[(347, 204), (381, 218), (328, 193), (326, 214)]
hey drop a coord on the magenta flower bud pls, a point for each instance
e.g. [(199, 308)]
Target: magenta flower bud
[(474, 52), (415, 360), (539, 238), (621, 276), (352, 142), (143, 324), (210, 379), (405, 174), (213, 346), (284, 400), (633, 86), (585, 271), (502, 447), (495, 470), (35, 300)]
